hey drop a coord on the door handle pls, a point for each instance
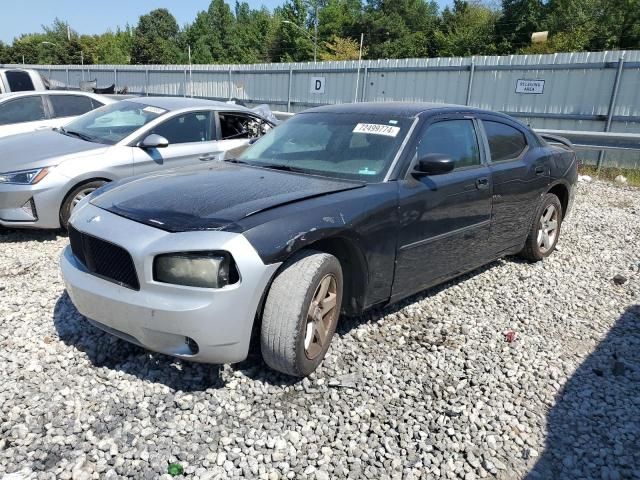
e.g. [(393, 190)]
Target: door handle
[(539, 170), (206, 157), (482, 183)]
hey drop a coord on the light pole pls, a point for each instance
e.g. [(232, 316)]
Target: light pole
[(312, 37)]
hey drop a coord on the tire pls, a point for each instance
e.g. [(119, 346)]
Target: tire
[(295, 333), (545, 231), (74, 196)]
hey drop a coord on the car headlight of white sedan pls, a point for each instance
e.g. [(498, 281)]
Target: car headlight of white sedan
[(24, 177)]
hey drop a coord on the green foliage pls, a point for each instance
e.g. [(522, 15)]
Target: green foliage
[(155, 39), (467, 29), (236, 33), (341, 49)]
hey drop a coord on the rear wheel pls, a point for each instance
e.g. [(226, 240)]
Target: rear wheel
[(301, 313), (74, 197), (545, 231)]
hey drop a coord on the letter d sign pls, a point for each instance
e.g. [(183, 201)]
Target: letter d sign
[(317, 85)]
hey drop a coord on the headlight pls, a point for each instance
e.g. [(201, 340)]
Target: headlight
[(195, 269), (24, 177)]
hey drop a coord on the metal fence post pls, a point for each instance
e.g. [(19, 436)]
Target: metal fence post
[(67, 69), (289, 90), (146, 82), (363, 95), (185, 83), (472, 71), (612, 106), (230, 84), (115, 79)]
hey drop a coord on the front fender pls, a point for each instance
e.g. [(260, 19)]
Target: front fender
[(366, 218)]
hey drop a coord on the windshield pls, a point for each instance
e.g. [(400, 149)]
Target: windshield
[(112, 123), (350, 146)]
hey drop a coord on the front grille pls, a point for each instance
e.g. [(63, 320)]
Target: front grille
[(104, 259)]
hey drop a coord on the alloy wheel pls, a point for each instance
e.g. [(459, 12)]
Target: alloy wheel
[(321, 316), (548, 229)]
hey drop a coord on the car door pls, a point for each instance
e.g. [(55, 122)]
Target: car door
[(520, 175), (237, 130), (192, 140), (445, 218), (65, 107), (22, 114)]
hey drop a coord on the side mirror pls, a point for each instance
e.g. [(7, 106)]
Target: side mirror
[(434, 164), (154, 141)]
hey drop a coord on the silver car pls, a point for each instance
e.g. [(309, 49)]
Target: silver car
[(44, 174), (23, 112)]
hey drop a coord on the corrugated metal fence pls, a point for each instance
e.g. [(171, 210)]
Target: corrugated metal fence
[(592, 91)]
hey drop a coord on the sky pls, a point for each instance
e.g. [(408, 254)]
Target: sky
[(86, 17)]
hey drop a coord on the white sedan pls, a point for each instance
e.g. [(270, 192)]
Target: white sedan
[(23, 112)]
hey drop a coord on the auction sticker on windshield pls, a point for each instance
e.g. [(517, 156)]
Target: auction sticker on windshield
[(155, 110), (376, 129)]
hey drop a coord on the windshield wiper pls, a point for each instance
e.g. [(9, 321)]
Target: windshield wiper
[(73, 133), (235, 160), (277, 166)]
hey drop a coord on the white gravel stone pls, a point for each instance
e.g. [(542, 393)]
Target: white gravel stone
[(425, 389)]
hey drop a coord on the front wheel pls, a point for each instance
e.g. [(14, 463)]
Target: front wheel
[(545, 231), (301, 313), (74, 197)]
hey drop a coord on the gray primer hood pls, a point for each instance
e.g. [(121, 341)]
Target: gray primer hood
[(38, 149), (210, 198)]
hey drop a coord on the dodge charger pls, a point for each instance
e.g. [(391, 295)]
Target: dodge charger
[(339, 209)]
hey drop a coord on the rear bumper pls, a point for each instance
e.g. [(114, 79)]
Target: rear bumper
[(161, 317)]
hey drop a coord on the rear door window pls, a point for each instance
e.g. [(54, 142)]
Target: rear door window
[(20, 110), (70, 105), (239, 126), (505, 142), (19, 81)]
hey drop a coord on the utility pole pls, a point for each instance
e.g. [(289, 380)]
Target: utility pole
[(190, 74), (315, 32), (355, 98)]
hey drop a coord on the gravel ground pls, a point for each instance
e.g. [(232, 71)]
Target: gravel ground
[(426, 389)]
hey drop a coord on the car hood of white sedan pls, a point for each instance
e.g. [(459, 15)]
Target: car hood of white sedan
[(41, 149)]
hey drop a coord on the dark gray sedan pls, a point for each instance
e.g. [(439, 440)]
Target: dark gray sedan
[(337, 210)]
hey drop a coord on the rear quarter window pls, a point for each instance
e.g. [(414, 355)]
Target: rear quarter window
[(70, 105), (20, 110), (505, 141), (19, 81)]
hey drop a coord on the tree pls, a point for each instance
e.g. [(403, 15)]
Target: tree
[(255, 31), (467, 29), (341, 18), (400, 28), (291, 44), (519, 19), (155, 39), (113, 48), (340, 48), (4, 53)]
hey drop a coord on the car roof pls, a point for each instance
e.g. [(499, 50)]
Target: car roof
[(28, 93), (177, 103), (403, 109)]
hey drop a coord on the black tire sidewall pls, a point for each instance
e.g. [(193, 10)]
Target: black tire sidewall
[(305, 365), (65, 209)]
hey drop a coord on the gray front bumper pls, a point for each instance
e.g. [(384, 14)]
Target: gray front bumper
[(160, 316)]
